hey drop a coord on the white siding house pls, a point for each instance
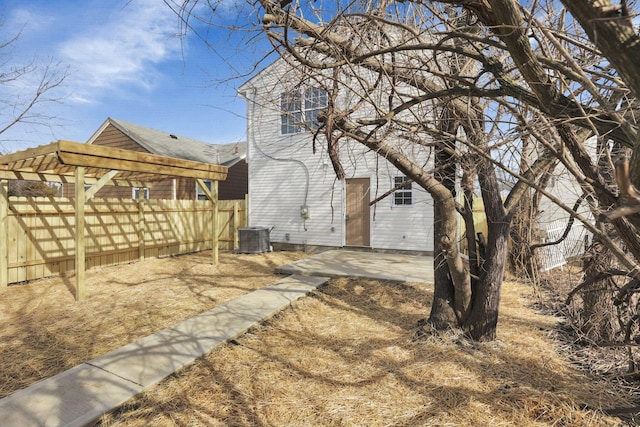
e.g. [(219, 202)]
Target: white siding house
[(293, 188)]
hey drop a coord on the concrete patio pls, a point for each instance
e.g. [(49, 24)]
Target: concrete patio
[(367, 265)]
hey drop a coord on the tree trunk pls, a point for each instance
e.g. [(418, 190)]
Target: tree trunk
[(483, 320), (599, 320), (599, 315), (521, 258), (442, 314), (522, 261), (450, 306)]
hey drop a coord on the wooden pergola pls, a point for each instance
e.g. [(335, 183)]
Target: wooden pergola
[(95, 166)]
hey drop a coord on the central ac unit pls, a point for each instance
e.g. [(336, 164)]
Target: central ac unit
[(254, 240)]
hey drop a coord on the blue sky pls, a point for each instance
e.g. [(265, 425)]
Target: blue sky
[(126, 60)]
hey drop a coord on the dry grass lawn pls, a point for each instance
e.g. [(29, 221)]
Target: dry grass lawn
[(345, 356), (43, 331)]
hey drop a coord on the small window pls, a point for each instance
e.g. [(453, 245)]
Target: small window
[(404, 194), (300, 109), (136, 193), (200, 195)]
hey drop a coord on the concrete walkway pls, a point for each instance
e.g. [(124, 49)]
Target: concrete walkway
[(367, 265), (79, 396)]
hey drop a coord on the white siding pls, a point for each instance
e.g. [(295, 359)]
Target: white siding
[(401, 227), (284, 174), (278, 188), (565, 187)]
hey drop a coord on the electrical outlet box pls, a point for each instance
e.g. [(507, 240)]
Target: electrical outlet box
[(304, 211)]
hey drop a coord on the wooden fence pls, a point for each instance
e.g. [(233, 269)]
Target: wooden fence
[(41, 232), (479, 224)]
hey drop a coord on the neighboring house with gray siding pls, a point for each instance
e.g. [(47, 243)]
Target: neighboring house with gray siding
[(295, 192), (120, 134)]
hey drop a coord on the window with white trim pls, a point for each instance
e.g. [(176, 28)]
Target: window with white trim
[(403, 196), (300, 109), (200, 194), (136, 193)]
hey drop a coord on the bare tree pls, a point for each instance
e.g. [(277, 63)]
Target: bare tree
[(21, 188), (25, 89), (509, 72), (473, 298), (476, 312)]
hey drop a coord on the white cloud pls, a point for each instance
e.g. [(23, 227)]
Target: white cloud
[(26, 20), (125, 48)]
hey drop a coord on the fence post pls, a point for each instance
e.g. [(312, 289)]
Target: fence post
[(4, 233), (246, 211), (236, 224)]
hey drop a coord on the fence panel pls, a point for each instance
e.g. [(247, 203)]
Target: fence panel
[(41, 231), (572, 246)]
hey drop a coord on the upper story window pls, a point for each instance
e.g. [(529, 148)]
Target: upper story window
[(300, 109), (404, 195), (200, 194)]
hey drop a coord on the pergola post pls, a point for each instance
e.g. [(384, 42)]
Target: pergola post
[(4, 233), (80, 249), (216, 223)]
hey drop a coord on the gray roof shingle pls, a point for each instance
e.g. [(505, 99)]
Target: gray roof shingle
[(171, 145)]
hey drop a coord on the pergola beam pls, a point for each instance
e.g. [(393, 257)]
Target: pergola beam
[(73, 153), (74, 159), (42, 150), (67, 179)]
